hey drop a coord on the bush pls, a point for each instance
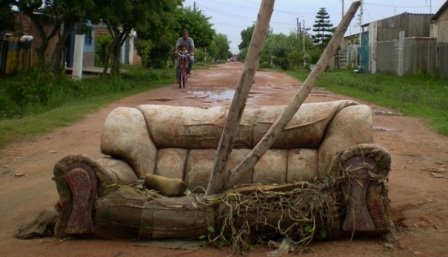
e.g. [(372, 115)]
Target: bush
[(314, 55), (32, 88), (36, 91), (9, 108), (102, 46), (295, 59), (281, 61), (201, 56)]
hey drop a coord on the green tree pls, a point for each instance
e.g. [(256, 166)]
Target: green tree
[(156, 45), (201, 55), (7, 20), (280, 46), (102, 46), (156, 38), (198, 25), (144, 47), (246, 36), (286, 51), (220, 47), (322, 28), (242, 54), (121, 16)]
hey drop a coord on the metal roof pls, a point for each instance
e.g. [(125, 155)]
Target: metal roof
[(401, 14), (440, 11)]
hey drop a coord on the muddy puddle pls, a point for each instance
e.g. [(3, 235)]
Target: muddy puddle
[(226, 94)]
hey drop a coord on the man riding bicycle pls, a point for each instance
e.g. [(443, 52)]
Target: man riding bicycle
[(185, 43)]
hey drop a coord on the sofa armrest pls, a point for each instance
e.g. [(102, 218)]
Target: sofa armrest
[(126, 136), (79, 179), (352, 125), (365, 169)]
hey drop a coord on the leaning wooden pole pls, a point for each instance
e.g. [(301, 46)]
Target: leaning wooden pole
[(230, 131), (271, 135)]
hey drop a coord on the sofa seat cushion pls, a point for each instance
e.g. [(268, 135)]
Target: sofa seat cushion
[(277, 166)]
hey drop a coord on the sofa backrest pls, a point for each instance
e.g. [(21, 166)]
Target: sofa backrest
[(198, 128)]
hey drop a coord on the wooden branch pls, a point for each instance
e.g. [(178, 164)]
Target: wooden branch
[(272, 134), (230, 131)]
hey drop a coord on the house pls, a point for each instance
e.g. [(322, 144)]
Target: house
[(14, 56), (439, 24), (439, 30), (88, 59), (348, 54), (409, 25)]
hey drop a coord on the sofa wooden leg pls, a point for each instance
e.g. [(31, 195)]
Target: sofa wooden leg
[(83, 185), (358, 218)]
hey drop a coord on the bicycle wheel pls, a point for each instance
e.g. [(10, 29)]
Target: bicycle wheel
[(183, 76)]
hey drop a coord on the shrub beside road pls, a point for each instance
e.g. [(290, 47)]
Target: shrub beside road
[(34, 103)]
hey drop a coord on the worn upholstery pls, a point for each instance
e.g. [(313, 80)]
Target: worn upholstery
[(180, 142), (161, 144)]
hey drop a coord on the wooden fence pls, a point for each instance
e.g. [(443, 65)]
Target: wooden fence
[(442, 59), (387, 56), (412, 55), (419, 55)]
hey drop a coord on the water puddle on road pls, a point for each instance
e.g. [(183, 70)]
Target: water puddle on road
[(226, 94)]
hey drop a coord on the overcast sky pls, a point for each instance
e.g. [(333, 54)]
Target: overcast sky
[(230, 17)]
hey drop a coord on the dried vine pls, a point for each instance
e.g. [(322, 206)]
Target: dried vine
[(299, 214)]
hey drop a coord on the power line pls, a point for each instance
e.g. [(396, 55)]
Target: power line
[(231, 15), (241, 17), (394, 5)]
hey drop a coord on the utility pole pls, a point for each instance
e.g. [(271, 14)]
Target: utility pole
[(343, 10), (299, 29), (303, 36), (361, 13), (303, 43), (430, 5), (194, 6)]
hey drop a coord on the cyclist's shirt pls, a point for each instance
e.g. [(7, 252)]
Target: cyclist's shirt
[(186, 44)]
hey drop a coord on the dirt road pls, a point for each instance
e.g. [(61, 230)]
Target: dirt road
[(419, 200)]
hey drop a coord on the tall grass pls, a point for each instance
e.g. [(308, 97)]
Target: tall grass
[(35, 103), (422, 96)]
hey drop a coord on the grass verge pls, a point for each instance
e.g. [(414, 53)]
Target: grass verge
[(421, 96), (29, 110)]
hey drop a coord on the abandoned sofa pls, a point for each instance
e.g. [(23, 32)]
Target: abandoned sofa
[(322, 140)]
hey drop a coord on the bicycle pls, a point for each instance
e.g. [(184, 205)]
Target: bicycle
[(183, 67)]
